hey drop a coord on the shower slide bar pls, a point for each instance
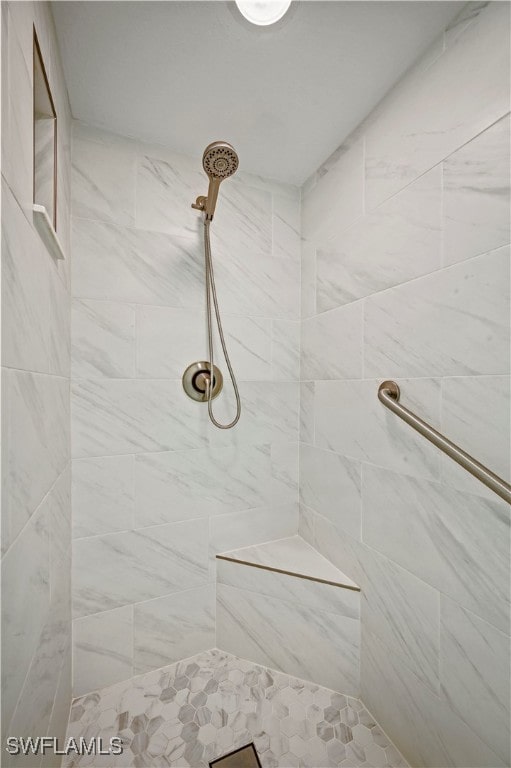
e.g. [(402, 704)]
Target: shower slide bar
[(388, 394)]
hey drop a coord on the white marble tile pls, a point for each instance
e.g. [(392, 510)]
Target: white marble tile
[(103, 495), (306, 524), (332, 344), (293, 555), (37, 446), (122, 568), (307, 411), (253, 526), (121, 264), (26, 581), (308, 279), (340, 548), (430, 113), (285, 350), (331, 485), (421, 725), (58, 502), (172, 628), (285, 472), (475, 415), (17, 106), (168, 340), (287, 288), (167, 185), (269, 411), (102, 649), (60, 714), (475, 665), (398, 241), (103, 339), (25, 289), (404, 613), (59, 344), (37, 696), (350, 420), (336, 200), (452, 323), (307, 592), (182, 485), (458, 543), (286, 227), (243, 220), (244, 620), (111, 416), (103, 179), (476, 195)]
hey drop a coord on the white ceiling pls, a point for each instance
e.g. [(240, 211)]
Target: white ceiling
[(186, 73)]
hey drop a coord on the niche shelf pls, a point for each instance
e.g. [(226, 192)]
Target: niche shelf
[(45, 228)]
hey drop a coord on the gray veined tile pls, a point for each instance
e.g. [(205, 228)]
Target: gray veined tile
[(308, 280), (404, 613), (477, 195), (103, 339), (114, 416), (475, 415), (422, 725), (331, 485), (25, 288), (451, 323), (331, 346), (398, 241), (337, 199), (307, 411), (122, 568), (103, 495), (103, 649), (286, 227), (285, 350), (307, 592), (37, 448), (117, 263), (25, 604), (253, 526), (180, 485), (285, 472), (456, 542), (243, 619), (172, 628), (475, 664), (350, 420), (104, 180), (414, 131), (167, 185)]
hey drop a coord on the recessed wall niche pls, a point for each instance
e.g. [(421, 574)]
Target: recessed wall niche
[(45, 156)]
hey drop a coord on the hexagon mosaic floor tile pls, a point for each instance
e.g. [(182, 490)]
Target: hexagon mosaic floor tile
[(193, 712)]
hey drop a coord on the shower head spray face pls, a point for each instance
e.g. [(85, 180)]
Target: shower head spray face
[(219, 161)]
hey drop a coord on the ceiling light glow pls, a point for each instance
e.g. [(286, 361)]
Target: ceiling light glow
[(263, 12)]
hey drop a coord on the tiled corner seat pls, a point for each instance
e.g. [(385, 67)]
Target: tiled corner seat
[(283, 605)]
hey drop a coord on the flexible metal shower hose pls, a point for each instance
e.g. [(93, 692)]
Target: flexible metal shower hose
[(211, 292)]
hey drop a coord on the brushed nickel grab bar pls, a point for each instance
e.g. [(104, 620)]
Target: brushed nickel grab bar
[(388, 394)]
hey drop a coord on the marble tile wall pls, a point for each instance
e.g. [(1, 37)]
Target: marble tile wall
[(157, 490), (36, 474), (405, 275), (294, 625)]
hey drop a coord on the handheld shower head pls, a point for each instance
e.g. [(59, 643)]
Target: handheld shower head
[(219, 161)]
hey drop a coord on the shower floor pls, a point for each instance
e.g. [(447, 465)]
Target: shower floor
[(193, 712)]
